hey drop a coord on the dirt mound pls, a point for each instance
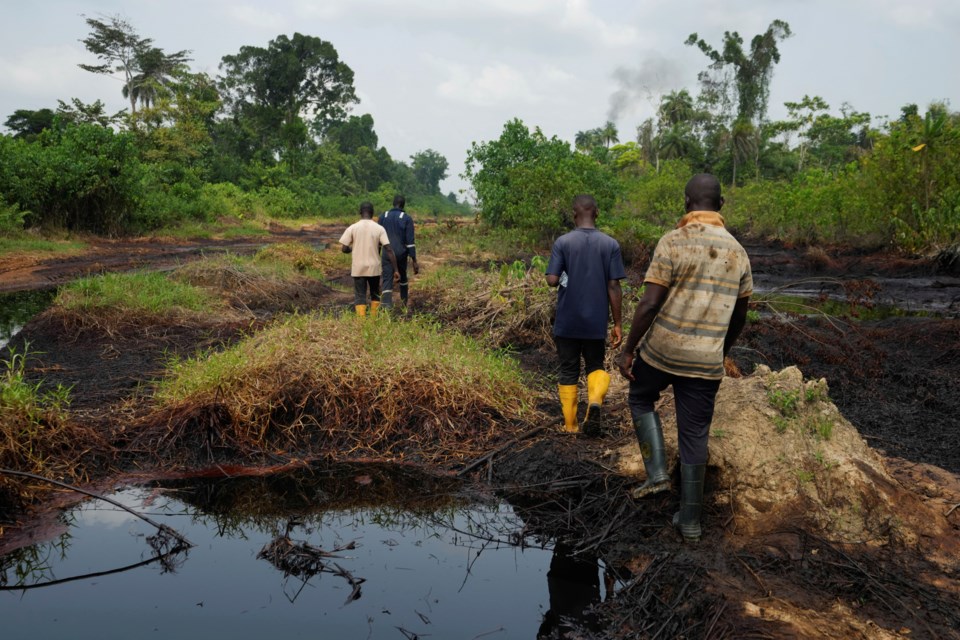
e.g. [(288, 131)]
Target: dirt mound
[(782, 457)]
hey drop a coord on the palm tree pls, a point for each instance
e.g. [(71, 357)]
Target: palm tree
[(608, 133), (743, 144), (677, 107), (155, 70), (677, 142), (648, 142)]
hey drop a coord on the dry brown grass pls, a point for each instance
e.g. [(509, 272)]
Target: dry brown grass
[(305, 258), (348, 388), (252, 286), (37, 436), (509, 307)]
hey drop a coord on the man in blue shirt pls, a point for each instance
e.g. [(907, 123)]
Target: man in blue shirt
[(586, 266), (399, 226)]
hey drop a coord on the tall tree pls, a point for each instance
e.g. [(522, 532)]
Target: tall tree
[(272, 90), (429, 168), (115, 42), (753, 71), (155, 73), (28, 124), (609, 134), (747, 74)]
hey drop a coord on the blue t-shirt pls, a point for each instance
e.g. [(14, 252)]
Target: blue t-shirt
[(590, 259)]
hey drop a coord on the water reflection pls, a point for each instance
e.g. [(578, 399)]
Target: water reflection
[(334, 551), (573, 583), (17, 308)]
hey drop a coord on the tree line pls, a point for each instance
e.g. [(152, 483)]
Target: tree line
[(817, 175), (272, 133)]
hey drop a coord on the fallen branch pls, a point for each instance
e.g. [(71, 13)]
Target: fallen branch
[(160, 527), (487, 456)]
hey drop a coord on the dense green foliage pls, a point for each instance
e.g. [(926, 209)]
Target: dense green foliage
[(526, 180), (271, 136)]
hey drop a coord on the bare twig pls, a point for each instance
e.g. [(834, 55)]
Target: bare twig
[(160, 527)]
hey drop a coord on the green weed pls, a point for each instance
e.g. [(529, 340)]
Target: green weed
[(145, 292), (786, 402)]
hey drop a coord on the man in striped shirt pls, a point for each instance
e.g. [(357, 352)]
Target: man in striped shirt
[(693, 308)]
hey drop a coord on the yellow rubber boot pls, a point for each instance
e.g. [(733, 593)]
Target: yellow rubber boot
[(374, 305), (361, 309), (568, 403), (598, 383)]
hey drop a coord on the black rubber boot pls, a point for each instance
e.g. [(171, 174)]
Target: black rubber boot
[(687, 520), (650, 436)]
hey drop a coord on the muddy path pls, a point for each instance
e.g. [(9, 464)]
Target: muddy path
[(894, 378), (30, 271)]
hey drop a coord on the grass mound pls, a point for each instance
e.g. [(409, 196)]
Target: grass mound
[(36, 436), (350, 388), (506, 306), (258, 284), (115, 301), (304, 258)]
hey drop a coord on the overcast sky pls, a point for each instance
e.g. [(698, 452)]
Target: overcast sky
[(441, 74)]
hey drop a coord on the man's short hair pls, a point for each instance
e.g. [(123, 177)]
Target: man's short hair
[(585, 201), (399, 201), (704, 189), (366, 207)]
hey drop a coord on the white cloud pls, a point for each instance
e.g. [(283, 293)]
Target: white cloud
[(492, 85), (577, 17), (37, 77), (251, 16)]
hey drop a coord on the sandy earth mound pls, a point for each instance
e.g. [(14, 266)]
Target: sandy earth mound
[(782, 456)]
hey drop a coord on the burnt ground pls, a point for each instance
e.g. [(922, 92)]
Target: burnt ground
[(889, 348), (894, 378), (40, 270)]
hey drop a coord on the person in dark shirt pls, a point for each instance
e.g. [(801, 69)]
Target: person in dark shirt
[(399, 226), (586, 265)]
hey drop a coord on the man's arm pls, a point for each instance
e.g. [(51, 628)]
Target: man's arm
[(552, 280), (737, 321), (654, 295), (615, 293), (408, 240), (345, 248)]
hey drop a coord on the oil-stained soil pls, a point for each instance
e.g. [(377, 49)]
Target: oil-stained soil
[(894, 379)]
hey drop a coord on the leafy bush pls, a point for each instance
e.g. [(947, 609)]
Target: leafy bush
[(525, 180), (657, 197), (78, 177), (11, 218)]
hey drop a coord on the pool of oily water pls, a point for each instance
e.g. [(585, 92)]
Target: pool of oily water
[(322, 552), (17, 308)]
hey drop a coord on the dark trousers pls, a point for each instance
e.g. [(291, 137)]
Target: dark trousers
[(570, 350), (388, 279), (694, 398), (360, 286)]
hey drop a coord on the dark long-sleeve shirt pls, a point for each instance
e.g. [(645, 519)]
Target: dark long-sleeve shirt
[(399, 226)]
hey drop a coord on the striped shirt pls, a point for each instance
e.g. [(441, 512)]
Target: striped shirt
[(706, 271)]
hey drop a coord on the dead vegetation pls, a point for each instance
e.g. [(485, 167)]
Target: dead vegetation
[(506, 306), (260, 287), (37, 437), (340, 387)]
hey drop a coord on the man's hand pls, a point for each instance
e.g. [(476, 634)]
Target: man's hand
[(396, 276), (625, 364), (416, 268), (616, 336)]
